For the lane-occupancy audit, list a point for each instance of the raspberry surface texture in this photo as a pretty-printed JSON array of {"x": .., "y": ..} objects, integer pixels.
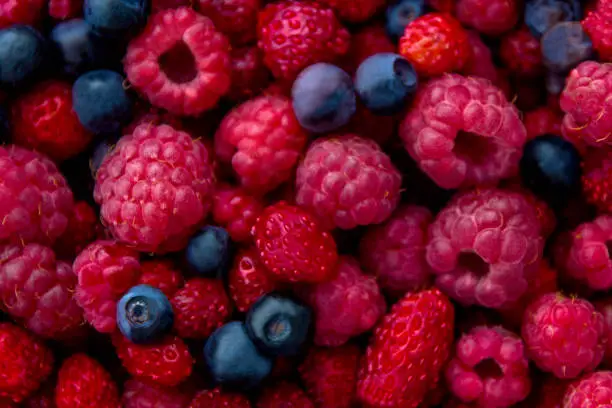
[
  {"x": 140, "y": 394},
  {"x": 161, "y": 274},
  {"x": 596, "y": 181},
  {"x": 521, "y": 53},
  {"x": 480, "y": 63},
  {"x": 598, "y": 25},
  {"x": 592, "y": 390},
  {"x": 236, "y": 210},
  {"x": 237, "y": 19},
  {"x": 217, "y": 398},
  {"x": 249, "y": 279},
  {"x": 284, "y": 395}
]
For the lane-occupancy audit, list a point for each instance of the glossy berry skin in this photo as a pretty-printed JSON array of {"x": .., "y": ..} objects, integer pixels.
[
  {"x": 592, "y": 390},
  {"x": 26, "y": 12},
  {"x": 237, "y": 19},
  {"x": 598, "y": 25},
  {"x": 520, "y": 52},
  {"x": 161, "y": 274},
  {"x": 490, "y": 17},
  {"x": 145, "y": 394},
  {"x": 75, "y": 45},
  {"x": 355, "y": 11},
  {"x": 22, "y": 54},
  {"x": 115, "y": 17},
  {"x": 233, "y": 359},
  {"x": 401, "y": 13},
  {"x": 217, "y": 398},
  {"x": 541, "y": 15},
  {"x": 284, "y": 394},
  {"x": 144, "y": 314},
  {"x": 293, "y": 246},
  {"x": 208, "y": 252},
  {"x": 236, "y": 210},
  {"x": 385, "y": 82},
  {"x": 249, "y": 279},
  {"x": 565, "y": 46}
]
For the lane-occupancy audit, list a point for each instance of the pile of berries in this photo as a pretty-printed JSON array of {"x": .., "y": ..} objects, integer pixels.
[{"x": 305, "y": 203}]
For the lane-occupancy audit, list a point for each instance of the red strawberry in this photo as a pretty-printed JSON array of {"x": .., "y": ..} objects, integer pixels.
[
  {"x": 161, "y": 274},
  {"x": 284, "y": 395},
  {"x": 248, "y": 279},
  {"x": 219, "y": 399}
]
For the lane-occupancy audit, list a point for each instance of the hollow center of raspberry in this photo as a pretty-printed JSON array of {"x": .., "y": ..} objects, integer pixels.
[
  {"x": 473, "y": 148},
  {"x": 178, "y": 63},
  {"x": 473, "y": 263},
  {"x": 488, "y": 368}
]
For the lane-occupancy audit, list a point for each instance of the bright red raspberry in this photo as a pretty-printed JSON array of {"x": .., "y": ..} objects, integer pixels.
[
  {"x": 236, "y": 210},
  {"x": 480, "y": 63},
  {"x": 395, "y": 251},
  {"x": 155, "y": 188},
  {"x": 35, "y": 199},
  {"x": 463, "y": 132},
  {"x": 541, "y": 121},
  {"x": 330, "y": 375},
  {"x": 262, "y": 140},
  {"x": 140, "y": 394},
  {"x": 237, "y": 19},
  {"x": 284, "y": 395},
  {"x": 408, "y": 351},
  {"x": 597, "y": 180},
  {"x": 520, "y": 52},
  {"x": 167, "y": 362},
  {"x": 161, "y": 274},
  {"x": 296, "y": 34},
  {"x": 593, "y": 390},
  {"x": 355, "y": 11},
  {"x": 180, "y": 62},
  {"x": 435, "y": 44},
  {"x": 65, "y": 9},
  {"x": 345, "y": 307},
  {"x": 248, "y": 279},
  {"x": 105, "y": 271},
  {"x": 347, "y": 181},
  {"x": 158, "y": 5},
  {"x": 200, "y": 307},
  {"x": 564, "y": 336},
  {"x": 490, "y": 368},
  {"x": 83, "y": 382},
  {"x": 490, "y": 17},
  {"x": 293, "y": 246},
  {"x": 604, "y": 307},
  {"x": 369, "y": 40},
  {"x": 26, "y": 362},
  {"x": 587, "y": 105},
  {"x": 83, "y": 228},
  {"x": 27, "y": 12},
  {"x": 219, "y": 399},
  {"x": 249, "y": 74},
  {"x": 598, "y": 25}
]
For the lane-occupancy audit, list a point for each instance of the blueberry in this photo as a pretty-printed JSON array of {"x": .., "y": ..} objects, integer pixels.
[
  {"x": 115, "y": 17},
  {"x": 279, "y": 326},
  {"x": 550, "y": 167},
  {"x": 400, "y": 14},
  {"x": 22, "y": 54},
  {"x": 208, "y": 251},
  {"x": 565, "y": 46},
  {"x": 323, "y": 98},
  {"x": 385, "y": 82},
  {"x": 101, "y": 102},
  {"x": 541, "y": 15},
  {"x": 233, "y": 359},
  {"x": 144, "y": 314}
]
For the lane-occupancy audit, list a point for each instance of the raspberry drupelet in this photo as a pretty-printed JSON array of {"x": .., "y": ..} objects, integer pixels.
[
  {"x": 236, "y": 210},
  {"x": 593, "y": 390},
  {"x": 598, "y": 25},
  {"x": 216, "y": 398},
  {"x": 490, "y": 17},
  {"x": 161, "y": 274},
  {"x": 237, "y": 19},
  {"x": 142, "y": 394},
  {"x": 597, "y": 180}
]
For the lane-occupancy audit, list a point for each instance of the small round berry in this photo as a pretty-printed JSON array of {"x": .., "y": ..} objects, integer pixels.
[
  {"x": 593, "y": 390},
  {"x": 208, "y": 252},
  {"x": 401, "y": 13},
  {"x": 236, "y": 210},
  {"x": 115, "y": 17},
  {"x": 144, "y": 314},
  {"x": 541, "y": 15},
  {"x": 490, "y": 17},
  {"x": 22, "y": 54},
  {"x": 565, "y": 46},
  {"x": 604, "y": 307}
]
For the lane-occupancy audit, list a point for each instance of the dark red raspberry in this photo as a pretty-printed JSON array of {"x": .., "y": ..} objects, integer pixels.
[
  {"x": 435, "y": 44},
  {"x": 262, "y": 140},
  {"x": 217, "y": 398},
  {"x": 597, "y": 180},
  {"x": 598, "y": 25},
  {"x": 83, "y": 382},
  {"x": 604, "y": 307},
  {"x": 161, "y": 274},
  {"x": 295, "y": 34},
  {"x": 487, "y": 364},
  {"x": 480, "y": 63},
  {"x": 463, "y": 132},
  {"x": 83, "y": 228},
  {"x": 369, "y": 40},
  {"x": 249, "y": 279},
  {"x": 491, "y": 17},
  {"x": 236, "y": 210},
  {"x": 237, "y": 19},
  {"x": 249, "y": 74},
  {"x": 43, "y": 398},
  {"x": 347, "y": 181},
  {"x": 355, "y": 11},
  {"x": 26, "y": 12},
  {"x": 65, "y": 9},
  {"x": 155, "y": 188},
  {"x": 284, "y": 395},
  {"x": 593, "y": 390},
  {"x": 520, "y": 52},
  {"x": 542, "y": 121},
  {"x": 293, "y": 246},
  {"x": 140, "y": 394},
  {"x": 446, "y": 6},
  {"x": 180, "y": 62}
]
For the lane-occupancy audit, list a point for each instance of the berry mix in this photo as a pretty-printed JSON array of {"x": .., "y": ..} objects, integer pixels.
[{"x": 305, "y": 203}]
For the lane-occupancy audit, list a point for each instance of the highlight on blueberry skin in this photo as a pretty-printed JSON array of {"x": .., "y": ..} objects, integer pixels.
[
  {"x": 323, "y": 98},
  {"x": 22, "y": 54},
  {"x": 565, "y": 46},
  {"x": 385, "y": 83},
  {"x": 208, "y": 252},
  {"x": 144, "y": 314},
  {"x": 115, "y": 17},
  {"x": 542, "y": 15},
  {"x": 400, "y": 14}
]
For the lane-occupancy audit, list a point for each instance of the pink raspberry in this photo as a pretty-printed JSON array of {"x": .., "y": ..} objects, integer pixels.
[
  {"x": 235, "y": 18},
  {"x": 463, "y": 132},
  {"x": 105, "y": 271},
  {"x": 155, "y": 188},
  {"x": 65, "y": 9},
  {"x": 520, "y": 52},
  {"x": 345, "y": 307},
  {"x": 593, "y": 390},
  {"x": 484, "y": 246},
  {"x": 564, "y": 336},
  {"x": 541, "y": 121},
  {"x": 35, "y": 200},
  {"x": 236, "y": 210},
  {"x": 395, "y": 251},
  {"x": 263, "y": 141},
  {"x": 249, "y": 74},
  {"x": 480, "y": 63},
  {"x": 369, "y": 40},
  {"x": 604, "y": 307},
  {"x": 587, "y": 105},
  {"x": 489, "y": 368},
  {"x": 347, "y": 181},
  {"x": 598, "y": 25},
  {"x": 180, "y": 62},
  {"x": 491, "y": 17},
  {"x": 161, "y": 274},
  {"x": 138, "y": 393}
]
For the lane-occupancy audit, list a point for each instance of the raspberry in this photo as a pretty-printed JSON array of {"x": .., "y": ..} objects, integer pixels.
[
  {"x": 463, "y": 132},
  {"x": 520, "y": 52},
  {"x": 294, "y": 35},
  {"x": 248, "y": 280},
  {"x": 490, "y": 368},
  {"x": 26, "y": 362},
  {"x": 43, "y": 398},
  {"x": 219, "y": 399},
  {"x": 587, "y": 107},
  {"x": 83, "y": 382},
  {"x": 167, "y": 362},
  {"x": 236, "y": 210},
  {"x": 105, "y": 271},
  {"x": 355, "y": 11},
  {"x": 593, "y": 390},
  {"x": 161, "y": 274},
  {"x": 155, "y": 188},
  {"x": 284, "y": 395},
  {"x": 490, "y": 17},
  {"x": 407, "y": 352},
  {"x": 140, "y": 394},
  {"x": 545, "y": 214},
  {"x": 395, "y": 251},
  {"x": 480, "y": 63},
  {"x": 262, "y": 140},
  {"x": 35, "y": 200},
  {"x": 347, "y": 181},
  {"x": 237, "y": 19},
  {"x": 435, "y": 44},
  {"x": 83, "y": 228},
  {"x": 564, "y": 336},
  {"x": 200, "y": 307},
  {"x": 542, "y": 121},
  {"x": 26, "y": 12},
  {"x": 249, "y": 74},
  {"x": 604, "y": 307},
  {"x": 180, "y": 62},
  {"x": 330, "y": 375},
  {"x": 598, "y": 25},
  {"x": 293, "y": 246},
  {"x": 369, "y": 40},
  {"x": 597, "y": 180},
  {"x": 345, "y": 307},
  {"x": 65, "y": 9}
]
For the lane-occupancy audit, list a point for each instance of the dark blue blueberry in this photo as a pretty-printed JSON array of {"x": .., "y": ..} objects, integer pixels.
[
  {"x": 565, "y": 46},
  {"x": 208, "y": 252},
  {"x": 22, "y": 54},
  {"x": 144, "y": 314},
  {"x": 323, "y": 98},
  {"x": 101, "y": 101},
  {"x": 385, "y": 82},
  {"x": 541, "y": 15},
  {"x": 550, "y": 167},
  {"x": 233, "y": 359},
  {"x": 115, "y": 17},
  {"x": 400, "y": 14},
  {"x": 278, "y": 325},
  {"x": 4, "y": 126}
]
